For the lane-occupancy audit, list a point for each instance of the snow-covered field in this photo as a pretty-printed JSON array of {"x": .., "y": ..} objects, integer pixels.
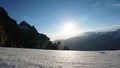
[{"x": 35, "y": 58}]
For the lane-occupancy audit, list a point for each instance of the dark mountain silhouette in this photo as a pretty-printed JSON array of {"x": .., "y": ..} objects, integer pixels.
[
  {"x": 21, "y": 35},
  {"x": 95, "y": 41},
  {"x": 9, "y": 30}
]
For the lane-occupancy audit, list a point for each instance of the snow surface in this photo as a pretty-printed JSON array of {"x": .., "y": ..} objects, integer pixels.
[{"x": 36, "y": 58}]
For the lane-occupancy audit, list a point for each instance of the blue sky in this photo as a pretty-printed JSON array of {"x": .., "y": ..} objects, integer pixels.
[{"x": 46, "y": 15}]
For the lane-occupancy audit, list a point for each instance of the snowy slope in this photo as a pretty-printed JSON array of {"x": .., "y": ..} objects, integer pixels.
[{"x": 33, "y": 58}]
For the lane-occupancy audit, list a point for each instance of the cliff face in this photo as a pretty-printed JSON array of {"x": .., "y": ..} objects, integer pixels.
[
  {"x": 9, "y": 30},
  {"x": 21, "y": 35}
]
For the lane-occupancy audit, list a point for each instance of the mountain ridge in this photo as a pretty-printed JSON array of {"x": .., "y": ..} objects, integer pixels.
[
  {"x": 21, "y": 35},
  {"x": 109, "y": 40}
]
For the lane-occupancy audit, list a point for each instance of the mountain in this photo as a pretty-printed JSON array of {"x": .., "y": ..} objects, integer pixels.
[
  {"x": 21, "y": 35},
  {"x": 95, "y": 41},
  {"x": 9, "y": 30}
]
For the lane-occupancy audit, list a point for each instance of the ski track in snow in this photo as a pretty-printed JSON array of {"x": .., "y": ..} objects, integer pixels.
[{"x": 36, "y": 58}]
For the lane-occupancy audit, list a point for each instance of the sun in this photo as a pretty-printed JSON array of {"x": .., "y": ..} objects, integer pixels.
[{"x": 69, "y": 28}]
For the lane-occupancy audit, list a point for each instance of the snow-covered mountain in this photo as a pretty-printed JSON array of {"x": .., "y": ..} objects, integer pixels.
[{"x": 95, "y": 41}]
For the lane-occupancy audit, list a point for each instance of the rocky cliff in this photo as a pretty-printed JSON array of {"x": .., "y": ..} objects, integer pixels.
[{"x": 21, "y": 35}]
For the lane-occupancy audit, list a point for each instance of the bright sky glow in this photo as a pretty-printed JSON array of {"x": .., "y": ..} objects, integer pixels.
[
  {"x": 69, "y": 27},
  {"x": 47, "y": 15}
]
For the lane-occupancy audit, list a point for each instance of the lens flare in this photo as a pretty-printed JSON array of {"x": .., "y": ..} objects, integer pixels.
[{"x": 69, "y": 27}]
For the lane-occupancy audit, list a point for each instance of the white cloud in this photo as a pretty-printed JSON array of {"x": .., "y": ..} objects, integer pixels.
[
  {"x": 54, "y": 37},
  {"x": 116, "y": 5},
  {"x": 25, "y": 17},
  {"x": 104, "y": 29}
]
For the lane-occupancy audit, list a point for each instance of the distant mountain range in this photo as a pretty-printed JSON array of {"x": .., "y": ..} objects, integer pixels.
[
  {"x": 24, "y": 35},
  {"x": 109, "y": 40},
  {"x": 21, "y": 35}
]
